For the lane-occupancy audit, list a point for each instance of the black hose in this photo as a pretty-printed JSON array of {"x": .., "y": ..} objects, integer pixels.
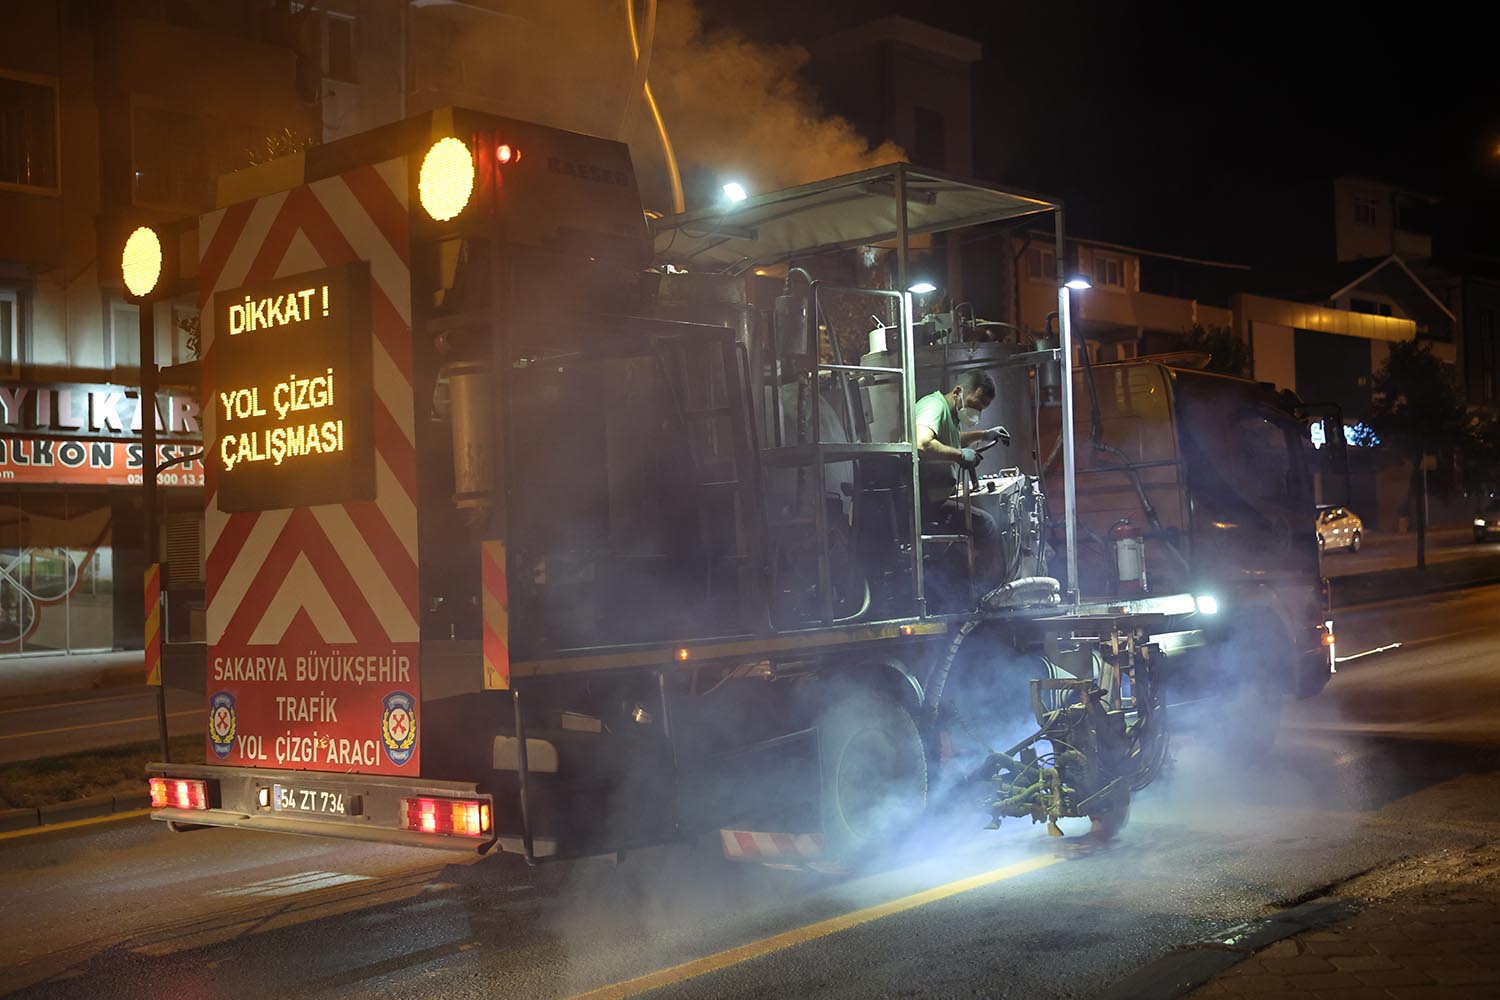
[{"x": 991, "y": 601}]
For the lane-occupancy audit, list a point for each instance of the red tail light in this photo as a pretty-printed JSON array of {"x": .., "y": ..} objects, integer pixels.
[
  {"x": 459, "y": 817},
  {"x": 178, "y": 793}
]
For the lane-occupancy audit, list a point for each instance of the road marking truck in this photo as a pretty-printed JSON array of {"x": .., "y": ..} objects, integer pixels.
[{"x": 538, "y": 524}]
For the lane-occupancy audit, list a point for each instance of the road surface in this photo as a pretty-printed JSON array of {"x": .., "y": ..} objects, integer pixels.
[
  {"x": 45, "y": 724},
  {"x": 1398, "y": 758}
]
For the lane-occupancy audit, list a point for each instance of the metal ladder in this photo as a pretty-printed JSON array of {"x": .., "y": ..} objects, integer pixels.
[
  {"x": 716, "y": 417},
  {"x": 814, "y": 455}
]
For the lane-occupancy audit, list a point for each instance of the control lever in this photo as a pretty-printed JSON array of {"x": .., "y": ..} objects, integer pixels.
[{"x": 973, "y": 471}]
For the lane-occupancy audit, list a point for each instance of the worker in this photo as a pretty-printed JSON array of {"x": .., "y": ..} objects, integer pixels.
[{"x": 947, "y": 436}]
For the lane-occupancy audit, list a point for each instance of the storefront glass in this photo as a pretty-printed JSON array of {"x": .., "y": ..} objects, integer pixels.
[{"x": 56, "y": 571}]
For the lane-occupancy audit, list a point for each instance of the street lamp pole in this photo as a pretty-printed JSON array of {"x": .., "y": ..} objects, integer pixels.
[
  {"x": 1070, "y": 492},
  {"x": 141, "y": 267}
]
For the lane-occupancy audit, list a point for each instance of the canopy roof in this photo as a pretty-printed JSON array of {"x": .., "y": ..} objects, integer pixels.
[{"x": 848, "y": 211}]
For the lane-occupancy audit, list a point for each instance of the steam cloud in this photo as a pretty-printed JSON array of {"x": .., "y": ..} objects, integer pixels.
[{"x": 733, "y": 108}]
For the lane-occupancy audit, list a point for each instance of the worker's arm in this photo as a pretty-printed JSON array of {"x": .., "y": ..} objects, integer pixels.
[
  {"x": 930, "y": 449},
  {"x": 995, "y": 433}
]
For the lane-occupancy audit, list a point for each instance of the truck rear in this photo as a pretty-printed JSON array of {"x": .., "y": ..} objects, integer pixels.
[{"x": 321, "y": 491}]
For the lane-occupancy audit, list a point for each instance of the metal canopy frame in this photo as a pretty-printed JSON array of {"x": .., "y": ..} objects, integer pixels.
[
  {"x": 838, "y": 213},
  {"x": 885, "y": 205}
]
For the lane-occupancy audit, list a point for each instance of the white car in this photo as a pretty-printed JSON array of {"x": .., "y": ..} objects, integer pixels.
[
  {"x": 1339, "y": 528},
  {"x": 1487, "y": 521}
]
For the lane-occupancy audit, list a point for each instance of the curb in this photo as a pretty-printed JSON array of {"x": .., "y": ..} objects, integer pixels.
[
  {"x": 1189, "y": 967},
  {"x": 106, "y": 678},
  {"x": 120, "y": 677},
  {"x": 1365, "y": 588},
  {"x": 94, "y": 806}
]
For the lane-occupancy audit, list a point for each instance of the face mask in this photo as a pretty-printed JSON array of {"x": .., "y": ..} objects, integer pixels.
[{"x": 968, "y": 417}]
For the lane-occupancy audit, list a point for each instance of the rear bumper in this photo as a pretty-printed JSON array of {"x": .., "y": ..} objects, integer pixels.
[{"x": 236, "y": 796}]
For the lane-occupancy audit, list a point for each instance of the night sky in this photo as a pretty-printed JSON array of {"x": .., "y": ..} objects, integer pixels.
[{"x": 1214, "y": 130}]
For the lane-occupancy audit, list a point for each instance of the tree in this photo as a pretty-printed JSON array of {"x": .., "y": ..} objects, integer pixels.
[
  {"x": 1226, "y": 352},
  {"x": 1482, "y": 453},
  {"x": 1416, "y": 406},
  {"x": 1417, "y": 411}
]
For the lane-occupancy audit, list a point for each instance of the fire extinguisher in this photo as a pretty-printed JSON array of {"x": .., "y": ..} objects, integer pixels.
[{"x": 1129, "y": 544}]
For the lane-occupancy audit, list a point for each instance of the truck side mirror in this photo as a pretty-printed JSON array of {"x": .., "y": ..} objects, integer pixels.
[{"x": 1327, "y": 453}]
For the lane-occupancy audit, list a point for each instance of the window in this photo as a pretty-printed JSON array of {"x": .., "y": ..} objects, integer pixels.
[
  {"x": 183, "y": 345},
  {"x": 1366, "y": 211},
  {"x": 56, "y": 572},
  {"x": 124, "y": 335},
  {"x": 10, "y": 329},
  {"x": 1109, "y": 271},
  {"x": 28, "y": 133},
  {"x": 1370, "y": 307},
  {"x": 338, "y": 48},
  {"x": 1041, "y": 265},
  {"x": 170, "y": 157}
]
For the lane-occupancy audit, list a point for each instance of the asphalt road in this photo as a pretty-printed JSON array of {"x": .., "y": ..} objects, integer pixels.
[
  {"x": 1400, "y": 756},
  {"x": 45, "y": 724}
]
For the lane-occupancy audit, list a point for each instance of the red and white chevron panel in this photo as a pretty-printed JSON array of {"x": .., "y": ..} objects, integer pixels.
[
  {"x": 754, "y": 845},
  {"x": 313, "y": 611}
]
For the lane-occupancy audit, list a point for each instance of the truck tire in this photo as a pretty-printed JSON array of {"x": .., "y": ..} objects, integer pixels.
[{"x": 874, "y": 774}]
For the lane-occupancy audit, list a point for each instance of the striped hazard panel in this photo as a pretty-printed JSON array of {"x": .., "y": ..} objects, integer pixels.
[
  {"x": 793, "y": 848},
  {"x": 313, "y": 610}
]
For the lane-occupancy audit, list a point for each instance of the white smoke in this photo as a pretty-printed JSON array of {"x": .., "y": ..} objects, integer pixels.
[{"x": 732, "y": 107}]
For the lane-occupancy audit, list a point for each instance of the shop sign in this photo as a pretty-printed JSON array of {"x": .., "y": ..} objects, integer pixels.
[
  {"x": 90, "y": 435},
  {"x": 99, "y": 412},
  {"x": 100, "y": 463}
]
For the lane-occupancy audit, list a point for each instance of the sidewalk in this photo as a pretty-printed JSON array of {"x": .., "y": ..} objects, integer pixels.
[
  {"x": 53, "y": 673},
  {"x": 1430, "y": 929}
]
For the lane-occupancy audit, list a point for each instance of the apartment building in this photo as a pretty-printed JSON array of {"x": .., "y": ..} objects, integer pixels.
[{"x": 114, "y": 115}]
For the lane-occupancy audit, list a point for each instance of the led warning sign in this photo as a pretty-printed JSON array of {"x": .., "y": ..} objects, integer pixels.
[{"x": 291, "y": 391}]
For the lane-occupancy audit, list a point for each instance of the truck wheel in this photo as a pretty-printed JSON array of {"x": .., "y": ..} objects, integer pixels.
[{"x": 874, "y": 774}]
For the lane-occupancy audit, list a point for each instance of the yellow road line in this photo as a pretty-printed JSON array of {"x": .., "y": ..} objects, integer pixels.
[
  {"x": 802, "y": 935},
  {"x": 74, "y": 823},
  {"x": 99, "y": 725}
]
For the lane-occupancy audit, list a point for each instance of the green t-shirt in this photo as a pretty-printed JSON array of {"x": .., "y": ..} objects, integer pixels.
[{"x": 938, "y": 478}]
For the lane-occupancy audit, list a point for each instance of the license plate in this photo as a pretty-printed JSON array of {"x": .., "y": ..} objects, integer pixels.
[{"x": 289, "y": 798}]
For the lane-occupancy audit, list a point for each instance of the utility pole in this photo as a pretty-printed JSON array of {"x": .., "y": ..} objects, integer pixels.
[
  {"x": 141, "y": 266},
  {"x": 148, "y": 503},
  {"x": 1428, "y": 462}
]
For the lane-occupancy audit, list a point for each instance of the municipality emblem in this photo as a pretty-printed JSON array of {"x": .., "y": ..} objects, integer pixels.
[
  {"x": 398, "y": 726},
  {"x": 222, "y": 724}
]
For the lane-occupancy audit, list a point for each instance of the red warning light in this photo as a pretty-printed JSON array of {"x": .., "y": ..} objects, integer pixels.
[{"x": 505, "y": 153}]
